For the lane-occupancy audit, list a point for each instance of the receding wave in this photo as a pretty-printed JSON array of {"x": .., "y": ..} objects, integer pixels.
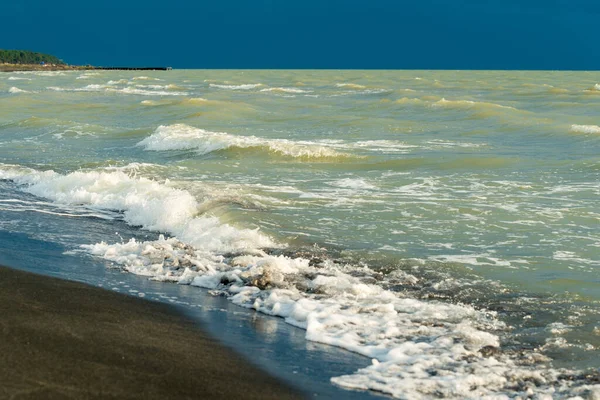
[{"x": 185, "y": 137}]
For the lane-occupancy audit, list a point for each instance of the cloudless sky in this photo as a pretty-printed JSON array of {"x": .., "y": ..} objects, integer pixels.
[{"x": 387, "y": 34}]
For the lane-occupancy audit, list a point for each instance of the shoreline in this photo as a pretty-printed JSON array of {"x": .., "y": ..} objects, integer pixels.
[
  {"x": 37, "y": 67},
  {"x": 63, "y": 338},
  {"x": 47, "y": 67}
]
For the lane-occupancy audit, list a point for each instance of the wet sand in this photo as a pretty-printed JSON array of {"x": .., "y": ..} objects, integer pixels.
[{"x": 62, "y": 339}]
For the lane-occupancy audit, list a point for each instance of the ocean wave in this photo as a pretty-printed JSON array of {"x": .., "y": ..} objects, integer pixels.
[
  {"x": 16, "y": 78},
  {"x": 246, "y": 86},
  {"x": 411, "y": 101},
  {"x": 419, "y": 348},
  {"x": 118, "y": 82},
  {"x": 285, "y": 90},
  {"x": 15, "y": 90},
  {"x": 41, "y": 73},
  {"x": 384, "y": 146},
  {"x": 364, "y": 91},
  {"x": 111, "y": 89},
  {"x": 155, "y": 103},
  {"x": 462, "y": 104},
  {"x": 184, "y": 137},
  {"x": 142, "y": 201},
  {"x": 589, "y": 129},
  {"x": 595, "y": 88},
  {"x": 88, "y": 75},
  {"x": 145, "y": 78},
  {"x": 88, "y": 88},
  {"x": 142, "y": 92},
  {"x": 163, "y": 87},
  {"x": 350, "y": 85}
]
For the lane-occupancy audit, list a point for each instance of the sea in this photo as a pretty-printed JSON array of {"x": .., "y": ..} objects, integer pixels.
[{"x": 436, "y": 234}]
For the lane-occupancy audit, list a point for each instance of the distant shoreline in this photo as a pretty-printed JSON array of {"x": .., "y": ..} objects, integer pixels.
[
  {"x": 39, "y": 67},
  {"x": 58, "y": 67}
]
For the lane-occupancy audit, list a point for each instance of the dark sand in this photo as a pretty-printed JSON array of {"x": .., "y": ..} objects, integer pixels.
[{"x": 66, "y": 340}]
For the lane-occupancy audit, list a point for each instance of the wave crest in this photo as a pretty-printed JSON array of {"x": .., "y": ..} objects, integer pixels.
[
  {"x": 185, "y": 137},
  {"x": 589, "y": 129},
  {"x": 246, "y": 86}
]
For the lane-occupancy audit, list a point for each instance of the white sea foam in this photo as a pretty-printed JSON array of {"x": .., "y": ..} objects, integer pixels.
[
  {"x": 143, "y": 202},
  {"x": 420, "y": 349},
  {"x": 109, "y": 88},
  {"x": 246, "y": 86},
  {"x": 468, "y": 104},
  {"x": 48, "y": 73},
  {"x": 353, "y": 184},
  {"x": 184, "y": 137},
  {"x": 472, "y": 259},
  {"x": 118, "y": 82},
  {"x": 16, "y": 78},
  {"x": 387, "y": 146},
  {"x": 88, "y": 75},
  {"x": 350, "y": 85},
  {"x": 285, "y": 90},
  {"x": 571, "y": 256},
  {"x": 142, "y": 92},
  {"x": 15, "y": 90},
  {"x": 589, "y": 129},
  {"x": 437, "y": 143},
  {"x": 145, "y": 78}
]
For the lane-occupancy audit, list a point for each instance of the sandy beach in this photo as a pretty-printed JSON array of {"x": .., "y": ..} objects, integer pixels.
[{"x": 62, "y": 339}]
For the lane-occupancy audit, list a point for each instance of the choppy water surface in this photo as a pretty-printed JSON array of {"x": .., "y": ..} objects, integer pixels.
[{"x": 443, "y": 223}]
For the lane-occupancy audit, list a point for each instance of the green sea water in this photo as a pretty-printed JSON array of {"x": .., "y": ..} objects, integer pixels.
[{"x": 482, "y": 185}]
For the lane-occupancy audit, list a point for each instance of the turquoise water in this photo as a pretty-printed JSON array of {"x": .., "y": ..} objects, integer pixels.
[{"x": 337, "y": 199}]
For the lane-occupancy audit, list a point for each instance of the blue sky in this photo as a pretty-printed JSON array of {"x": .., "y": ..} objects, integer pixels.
[{"x": 388, "y": 34}]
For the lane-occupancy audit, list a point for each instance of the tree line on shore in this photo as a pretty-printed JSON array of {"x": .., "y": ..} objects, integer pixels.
[{"x": 27, "y": 57}]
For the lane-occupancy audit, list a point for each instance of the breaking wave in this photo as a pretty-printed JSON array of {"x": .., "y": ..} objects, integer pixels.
[
  {"x": 285, "y": 90},
  {"x": 246, "y": 86},
  {"x": 109, "y": 88},
  {"x": 419, "y": 348},
  {"x": 15, "y": 90},
  {"x": 184, "y": 137},
  {"x": 350, "y": 85}
]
